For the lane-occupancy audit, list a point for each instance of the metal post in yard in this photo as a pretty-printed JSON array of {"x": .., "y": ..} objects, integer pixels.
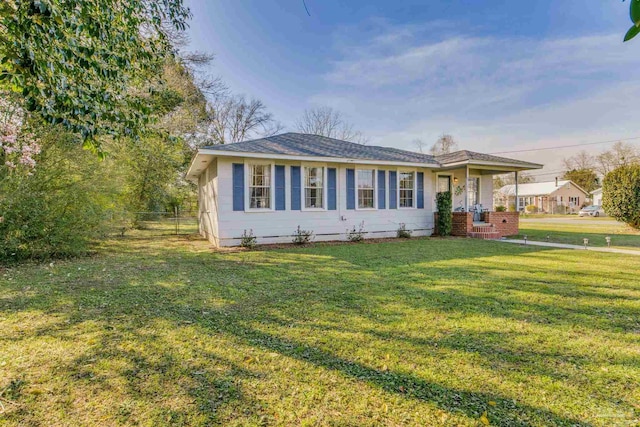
[{"x": 175, "y": 212}]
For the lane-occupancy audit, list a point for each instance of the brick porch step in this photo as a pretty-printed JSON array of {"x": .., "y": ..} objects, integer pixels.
[
  {"x": 485, "y": 235},
  {"x": 485, "y": 228}
]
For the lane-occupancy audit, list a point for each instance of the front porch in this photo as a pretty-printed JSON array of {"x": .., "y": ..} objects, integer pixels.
[{"x": 492, "y": 225}]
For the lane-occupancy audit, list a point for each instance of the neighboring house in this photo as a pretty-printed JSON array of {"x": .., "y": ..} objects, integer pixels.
[
  {"x": 549, "y": 197},
  {"x": 596, "y": 197},
  {"x": 275, "y": 184}
]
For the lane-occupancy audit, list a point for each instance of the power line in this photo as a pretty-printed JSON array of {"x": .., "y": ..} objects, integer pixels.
[{"x": 567, "y": 146}]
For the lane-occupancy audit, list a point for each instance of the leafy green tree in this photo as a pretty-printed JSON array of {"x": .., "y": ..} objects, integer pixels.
[
  {"x": 76, "y": 63},
  {"x": 634, "y": 12},
  {"x": 58, "y": 208},
  {"x": 584, "y": 178},
  {"x": 621, "y": 194}
]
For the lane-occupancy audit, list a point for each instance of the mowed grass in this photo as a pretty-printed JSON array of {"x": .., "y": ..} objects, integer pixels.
[
  {"x": 160, "y": 330},
  {"x": 573, "y": 230}
]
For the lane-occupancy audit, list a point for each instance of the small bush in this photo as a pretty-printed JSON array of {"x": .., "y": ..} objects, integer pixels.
[
  {"x": 501, "y": 209},
  {"x": 302, "y": 237},
  {"x": 621, "y": 194},
  {"x": 531, "y": 209},
  {"x": 402, "y": 232},
  {"x": 445, "y": 219},
  {"x": 356, "y": 235},
  {"x": 248, "y": 240},
  {"x": 561, "y": 209}
]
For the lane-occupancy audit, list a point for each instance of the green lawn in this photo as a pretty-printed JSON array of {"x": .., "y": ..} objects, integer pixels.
[
  {"x": 159, "y": 330},
  {"x": 573, "y": 230}
]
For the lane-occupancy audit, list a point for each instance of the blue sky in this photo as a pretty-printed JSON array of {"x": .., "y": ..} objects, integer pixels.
[{"x": 498, "y": 75}]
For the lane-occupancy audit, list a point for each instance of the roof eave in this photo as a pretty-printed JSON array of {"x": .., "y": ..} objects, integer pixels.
[
  {"x": 515, "y": 166},
  {"x": 253, "y": 155}
]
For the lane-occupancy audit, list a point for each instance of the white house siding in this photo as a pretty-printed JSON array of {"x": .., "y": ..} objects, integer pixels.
[
  {"x": 207, "y": 203},
  {"x": 278, "y": 226}
]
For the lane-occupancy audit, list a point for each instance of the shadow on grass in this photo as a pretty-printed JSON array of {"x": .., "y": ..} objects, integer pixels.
[{"x": 275, "y": 288}]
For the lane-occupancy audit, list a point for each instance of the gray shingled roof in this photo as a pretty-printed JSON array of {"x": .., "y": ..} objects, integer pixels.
[
  {"x": 300, "y": 144},
  {"x": 465, "y": 155}
]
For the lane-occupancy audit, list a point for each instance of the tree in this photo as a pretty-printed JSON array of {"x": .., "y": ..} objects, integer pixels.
[
  {"x": 581, "y": 170},
  {"x": 444, "y": 145},
  {"x": 419, "y": 144},
  {"x": 634, "y": 12},
  {"x": 621, "y": 154},
  {"x": 76, "y": 64},
  {"x": 586, "y": 179},
  {"x": 580, "y": 161},
  {"x": 233, "y": 119},
  {"x": 326, "y": 121},
  {"x": 621, "y": 194}
]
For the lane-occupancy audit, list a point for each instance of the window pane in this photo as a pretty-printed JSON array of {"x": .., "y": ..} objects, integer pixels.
[
  {"x": 473, "y": 191},
  {"x": 366, "y": 188},
  {"x": 260, "y": 187},
  {"x": 406, "y": 189},
  {"x": 313, "y": 187}
]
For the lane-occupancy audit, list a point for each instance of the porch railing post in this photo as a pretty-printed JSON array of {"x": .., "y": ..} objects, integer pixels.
[{"x": 517, "y": 198}]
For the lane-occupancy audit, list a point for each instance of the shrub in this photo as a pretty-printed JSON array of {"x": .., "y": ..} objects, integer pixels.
[
  {"x": 621, "y": 194},
  {"x": 57, "y": 210},
  {"x": 531, "y": 209},
  {"x": 356, "y": 235},
  {"x": 445, "y": 219},
  {"x": 248, "y": 240},
  {"x": 301, "y": 237},
  {"x": 501, "y": 208},
  {"x": 403, "y": 233}
]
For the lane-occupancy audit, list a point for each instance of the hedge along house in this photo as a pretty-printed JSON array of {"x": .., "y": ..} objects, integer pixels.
[{"x": 275, "y": 184}]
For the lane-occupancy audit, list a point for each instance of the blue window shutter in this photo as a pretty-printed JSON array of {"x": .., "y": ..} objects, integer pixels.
[
  {"x": 238, "y": 186},
  {"x": 296, "y": 188},
  {"x": 393, "y": 190},
  {"x": 382, "y": 186},
  {"x": 331, "y": 189},
  {"x": 280, "y": 191},
  {"x": 351, "y": 189},
  {"x": 420, "y": 190}
]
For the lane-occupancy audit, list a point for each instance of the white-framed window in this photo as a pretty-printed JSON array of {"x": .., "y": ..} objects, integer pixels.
[
  {"x": 406, "y": 189},
  {"x": 366, "y": 188},
  {"x": 473, "y": 191},
  {"x": 260, "y": 186},
  {"x": 574, "y": 201},
  {"x": 314, "y": 187}
]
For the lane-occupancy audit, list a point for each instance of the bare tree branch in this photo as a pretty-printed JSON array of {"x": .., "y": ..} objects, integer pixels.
[
  {"x": 328, "y": 122},
  {"x": 444, "y": 145},
  {"x": 234, "y": 119}
]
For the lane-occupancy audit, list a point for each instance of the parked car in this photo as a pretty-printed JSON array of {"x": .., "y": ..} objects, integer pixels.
[{"x": 593, "y": 210}]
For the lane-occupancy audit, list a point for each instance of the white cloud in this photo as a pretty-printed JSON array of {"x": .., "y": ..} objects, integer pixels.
[{"x": 491, "y": 93}]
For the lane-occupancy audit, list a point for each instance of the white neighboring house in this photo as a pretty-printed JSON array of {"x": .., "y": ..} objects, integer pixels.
[
  {"x": 596, "y": 197},
  {"x": 273, "y": 185},
  {"x": 549, "y": 197}
]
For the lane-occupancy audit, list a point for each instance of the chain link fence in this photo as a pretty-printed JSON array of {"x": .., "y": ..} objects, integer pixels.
[{"x": 176, "y": 222}]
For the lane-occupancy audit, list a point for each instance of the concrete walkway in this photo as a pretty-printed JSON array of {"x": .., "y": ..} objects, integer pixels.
[{"x": 565, "y": 246}]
